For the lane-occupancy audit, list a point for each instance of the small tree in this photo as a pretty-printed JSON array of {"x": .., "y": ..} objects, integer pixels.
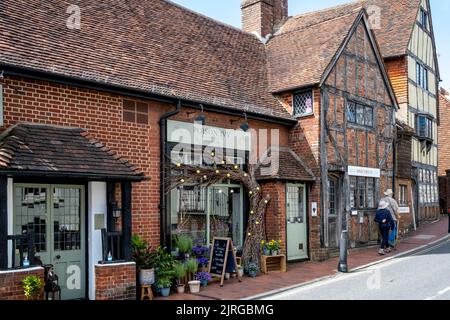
[{"x": 207, "y": 176}]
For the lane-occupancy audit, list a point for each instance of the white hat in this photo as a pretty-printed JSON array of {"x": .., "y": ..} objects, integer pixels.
[
  {"x": 389, "y": 192},
  {"x": 383, "y": 204}
]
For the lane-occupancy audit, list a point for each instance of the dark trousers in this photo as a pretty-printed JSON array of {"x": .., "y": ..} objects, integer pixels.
[{"x": 384, "y": 238}]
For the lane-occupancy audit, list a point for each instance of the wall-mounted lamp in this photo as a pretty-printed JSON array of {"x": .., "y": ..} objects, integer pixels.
[
  {"x": 116, "y": 211},
  {"x": 245, "y": 126}
]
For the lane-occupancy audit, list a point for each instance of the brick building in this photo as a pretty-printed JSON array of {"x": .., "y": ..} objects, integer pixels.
[
  {"x": 89, "y": 112},
  {"x": 444, "y": 149}
]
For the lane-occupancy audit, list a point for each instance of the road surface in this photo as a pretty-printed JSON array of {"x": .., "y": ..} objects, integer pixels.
[{"x": 425, "y": 275}]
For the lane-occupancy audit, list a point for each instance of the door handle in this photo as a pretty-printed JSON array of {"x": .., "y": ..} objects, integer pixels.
[{"x": 58, "y": 257}]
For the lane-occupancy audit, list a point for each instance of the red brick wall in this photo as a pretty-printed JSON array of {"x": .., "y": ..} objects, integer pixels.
[
  {"x": 398, "y": 74},
  {"x": 101, "y": 114},
  {"x": 276, "y": 212},
  {"x": 444, "y": 133},
  {"x": 115, "y": 282},
  {"x": 11, "y": 287}
]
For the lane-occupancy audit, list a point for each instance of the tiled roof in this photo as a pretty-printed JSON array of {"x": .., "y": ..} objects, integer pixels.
[
  {"x": 302, "y": 49},
  {"x": 60, "y": 151},
  {"x": 290, "y": 166},
  {"x": 298, "y": 56},
  {"x": 149, "y": 45}
]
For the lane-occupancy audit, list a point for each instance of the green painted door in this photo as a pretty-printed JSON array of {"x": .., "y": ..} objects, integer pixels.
[
  {"x": 296, "y": 222},
  {"x": 56, "y": 214}
]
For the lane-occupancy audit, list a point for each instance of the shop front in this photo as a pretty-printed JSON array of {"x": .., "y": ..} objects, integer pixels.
[{"x": 60, "y": 205}]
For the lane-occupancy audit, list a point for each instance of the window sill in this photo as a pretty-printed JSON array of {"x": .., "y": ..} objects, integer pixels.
[{"x": 304, "y": 116}]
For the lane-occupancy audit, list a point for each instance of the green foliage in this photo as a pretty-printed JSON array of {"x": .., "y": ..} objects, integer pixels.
[
  {"x": 32, "y": 286},
  {"x": 184, "y": 243},
  {"x": 192, "y": 266},
  {"x": 179, "y": 270},
  {"x": 163, "y": 283},
  {"x": 252, "y": 267},
  {"x": 141, "y": 253}
]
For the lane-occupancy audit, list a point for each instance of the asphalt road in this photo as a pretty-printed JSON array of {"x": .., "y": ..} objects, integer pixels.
[{"x": 425, "y": 275}]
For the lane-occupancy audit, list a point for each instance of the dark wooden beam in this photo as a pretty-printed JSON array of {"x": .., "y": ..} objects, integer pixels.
[
  {"x": 126, "y": 219},
  {"x": 3, "y": 222},
  {"x": 110, "y": 199}
]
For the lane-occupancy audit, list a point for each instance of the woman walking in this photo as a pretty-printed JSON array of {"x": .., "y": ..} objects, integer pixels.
[{"x": 385, "y": 222}]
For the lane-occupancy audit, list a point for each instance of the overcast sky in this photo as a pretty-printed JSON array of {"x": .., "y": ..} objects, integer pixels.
[{"x": 228, "y": 11}]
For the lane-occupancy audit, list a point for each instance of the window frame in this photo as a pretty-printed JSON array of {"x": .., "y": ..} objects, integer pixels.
[
  {"x": 403, "y": 195},
  {"x": 424, "y": 131},
  {"x": 354, "y": 118},
  {"x": 298, "y": 115},
  {"x": 136, "y": 112},
  {"x": 356, "y": 182},
  {"x": 422, "y": 76},
  {"x": 424, "y": 19}
]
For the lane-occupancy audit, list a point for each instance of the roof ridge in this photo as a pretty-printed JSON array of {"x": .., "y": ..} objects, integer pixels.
[
  {"x": 343, "y": 5},
  {"x": 356, "y": 10}
]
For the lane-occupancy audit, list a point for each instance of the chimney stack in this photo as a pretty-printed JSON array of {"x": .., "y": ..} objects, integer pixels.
[{"x": 263, "y": 17}]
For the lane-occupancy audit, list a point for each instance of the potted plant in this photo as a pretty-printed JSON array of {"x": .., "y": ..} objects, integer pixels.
[
  {"x": 144, "y": 259},
  {"x": 240, "y": 271},
  {"x": 32, "y": 286},
  {"x": 203, "y": 277},
  {"x": 164, "y": 283},
  {"x": 252, "y": 269},
  {"x": 163, "y": 263},
  {"x": 274, "y": 247},
  {"x": 265, "y": 248},
  {"x": 191, "y": 269},
  {"x": 184, "y": 244},
  {"x": 179, "y": 271}
]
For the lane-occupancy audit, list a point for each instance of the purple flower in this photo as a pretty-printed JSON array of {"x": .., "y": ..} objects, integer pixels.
[
  {"x": 203, "y": 276},
  {"x": 202, "y": 261},
  {"x": 200, "y": 251}
]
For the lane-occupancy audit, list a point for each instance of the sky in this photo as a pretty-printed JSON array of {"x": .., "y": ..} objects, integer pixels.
[{"x": 229, "y": 11}]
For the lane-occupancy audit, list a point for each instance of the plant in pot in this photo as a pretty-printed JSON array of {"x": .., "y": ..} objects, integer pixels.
[
  {"x": 164, "y": 283},
  {"x": 252, "y": 269},
  {"x": 274, "y": 247},
  {"x": 184, "y": 245},
  {"x": 179, "y": 271},
  {"x": 203, "y": 277},
  {"x": 144, "y": 259},
  {"x": 265, "y": 248},
  {"x": 191, "y": 269},
  {"x": 163, "y": 263},
  {"x": 32, "y": 287}
]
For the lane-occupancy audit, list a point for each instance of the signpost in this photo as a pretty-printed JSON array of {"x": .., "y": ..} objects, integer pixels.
[{"x": 221, "y": 252}]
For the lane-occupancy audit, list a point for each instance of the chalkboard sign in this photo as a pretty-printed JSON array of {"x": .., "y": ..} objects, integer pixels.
[{"x": 223, "y": 258}]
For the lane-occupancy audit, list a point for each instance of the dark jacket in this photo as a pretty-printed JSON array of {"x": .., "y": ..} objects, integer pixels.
[{"x": 384, "y": 219}]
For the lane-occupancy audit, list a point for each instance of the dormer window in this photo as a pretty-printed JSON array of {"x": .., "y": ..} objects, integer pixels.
[
  {"x": 303, "y": 104},
  {"x": 423, "y": 19}
]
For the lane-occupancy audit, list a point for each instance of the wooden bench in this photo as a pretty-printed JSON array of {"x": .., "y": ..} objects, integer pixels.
[{"x": 273, "y": 263}]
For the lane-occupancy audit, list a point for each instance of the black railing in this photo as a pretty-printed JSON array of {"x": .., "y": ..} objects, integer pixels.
[
  {"x": 112, "y": 244},
  {"x": 23, "y": 243}
]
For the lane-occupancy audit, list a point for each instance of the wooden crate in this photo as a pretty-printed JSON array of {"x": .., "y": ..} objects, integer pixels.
[{"x": 273, "y": 263}]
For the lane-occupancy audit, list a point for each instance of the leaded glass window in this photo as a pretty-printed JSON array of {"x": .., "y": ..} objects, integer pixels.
[
  {"x": 303, "y": 103},
  {"x": 360, "y": 114}
]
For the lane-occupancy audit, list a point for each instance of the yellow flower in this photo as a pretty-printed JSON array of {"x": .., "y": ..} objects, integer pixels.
[
  {"x": 279, "y": 241},
  {"x": 263, "y": 242}
]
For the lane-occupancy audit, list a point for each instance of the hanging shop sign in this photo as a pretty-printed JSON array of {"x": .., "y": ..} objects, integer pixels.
[
  {"x": 364, "y": 172},
  {"x": 198, "y": 134}
]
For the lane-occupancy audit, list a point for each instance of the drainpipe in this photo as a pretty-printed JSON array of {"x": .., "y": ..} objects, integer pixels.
[{"x": 164, "y": 234}]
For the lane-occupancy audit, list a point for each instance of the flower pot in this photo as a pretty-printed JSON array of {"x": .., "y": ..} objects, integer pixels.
[
  {"x": 165, "y": 292},
  {"x": 274, "y": 252},
  {"x": 147, "y": 276},
  {"x": 204, "y": 283},
  {"x": 252, "y": 274},
  {"x": 194, "y": 286},
  {"x": 227, "y": 276},
  {"x": 266, "y": 252},
  {"x": 240, "y": 272},
  {"x": 181, "y": 288}
]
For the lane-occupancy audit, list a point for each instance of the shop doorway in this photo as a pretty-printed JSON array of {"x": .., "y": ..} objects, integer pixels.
[
  {"x": 56, "y": 215},
  {"x": 296, "y": 222}
]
